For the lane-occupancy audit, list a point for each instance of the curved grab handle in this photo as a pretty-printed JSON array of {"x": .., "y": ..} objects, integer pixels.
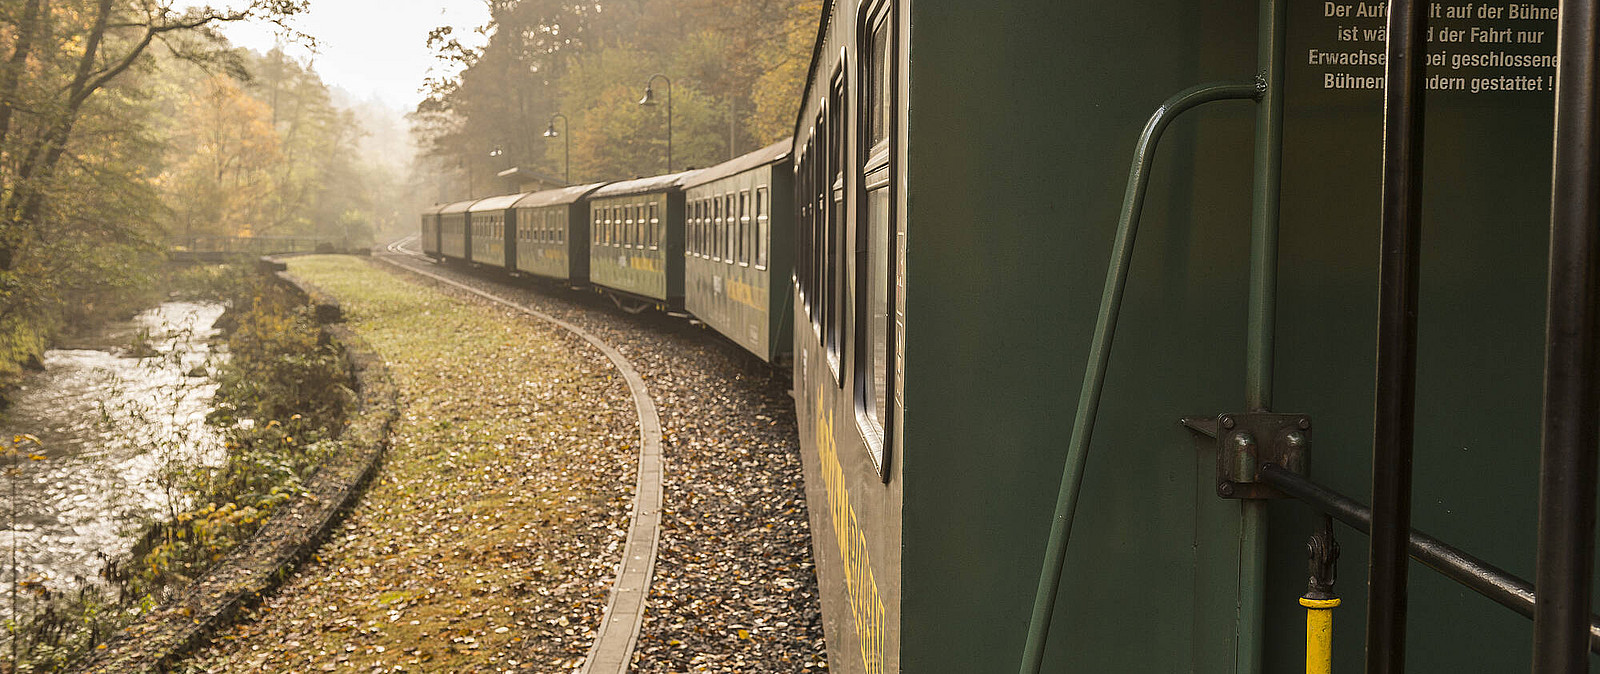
[{"x": 1100, "y": 350}]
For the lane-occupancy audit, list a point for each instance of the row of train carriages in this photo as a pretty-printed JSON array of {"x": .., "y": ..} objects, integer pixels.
[
  {"x": 713, "y": 242},
  {"x": 1003, "y": 483}
]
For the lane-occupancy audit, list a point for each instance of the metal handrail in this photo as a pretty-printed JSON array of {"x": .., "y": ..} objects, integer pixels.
[
  {"x": 1477, "y": 575},
  {"x": 1100, "y": 352}
]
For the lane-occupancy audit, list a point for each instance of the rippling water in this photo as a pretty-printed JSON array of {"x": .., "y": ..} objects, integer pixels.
[{"x": 108, "y": 417}]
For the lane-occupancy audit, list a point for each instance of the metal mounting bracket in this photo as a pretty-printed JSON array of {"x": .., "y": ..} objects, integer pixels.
[{"x": 1246, "y": 442}]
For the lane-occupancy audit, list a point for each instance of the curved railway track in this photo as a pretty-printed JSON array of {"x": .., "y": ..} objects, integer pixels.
[{"x": 618, "y": 632}]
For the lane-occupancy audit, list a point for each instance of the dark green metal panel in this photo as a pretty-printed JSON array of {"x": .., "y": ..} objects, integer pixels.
[
  {"x": 1481, "y": 337},
  {"x": 1021, "y": 127}
]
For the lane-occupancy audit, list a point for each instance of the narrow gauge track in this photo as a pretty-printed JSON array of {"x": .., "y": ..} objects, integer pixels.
[
  {"x": 618, "y": 632},
  {"x": 728, "y": 551}
]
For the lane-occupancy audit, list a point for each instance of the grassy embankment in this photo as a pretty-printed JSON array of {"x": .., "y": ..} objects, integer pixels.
[{"x": 488, "y": 539}]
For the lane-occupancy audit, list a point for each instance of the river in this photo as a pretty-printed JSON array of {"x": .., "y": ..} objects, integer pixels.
[{"x": 112, "y": 420}]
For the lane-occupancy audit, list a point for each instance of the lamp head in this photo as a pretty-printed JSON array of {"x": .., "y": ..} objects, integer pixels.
[
  {"x": 550, "y": 132},
  {"x": 649, "y": 96}
]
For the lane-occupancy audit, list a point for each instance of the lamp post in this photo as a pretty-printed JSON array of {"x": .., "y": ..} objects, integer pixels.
[
  {"x": 650, "y": 99},
  {"x": 566, "y": 152}
]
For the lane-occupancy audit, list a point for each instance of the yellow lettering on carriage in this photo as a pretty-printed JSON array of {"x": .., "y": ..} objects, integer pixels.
[
  {"x": 747, "y": 294},
  {"x": 866, "y": 604}
]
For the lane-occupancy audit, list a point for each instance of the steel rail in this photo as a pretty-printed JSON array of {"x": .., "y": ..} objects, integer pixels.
[
  {"x": 1100, "y": 353},
  {"x": 618, "y": 633},
  {"x": 1394, "y": 414},
  {"x": 1570, "y": 430},
  {"x": 1451, "y": 562}
]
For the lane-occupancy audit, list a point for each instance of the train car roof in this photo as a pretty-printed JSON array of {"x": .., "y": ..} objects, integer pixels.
[
  {"x": 434, "y": 209},
  {"x": 557, "y": 197},
  {"x": 458, "y": 207},
  {"x": 768, "y": 155},
  {"x": 669, "y": 182},
  {"x": 498, "y": 203}
]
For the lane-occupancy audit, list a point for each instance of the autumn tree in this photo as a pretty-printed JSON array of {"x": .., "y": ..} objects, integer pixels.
[
  {"x": 736, "y": 67},
  {"x": 74, "y": 149},
  {"x": 230, "y": 156}
]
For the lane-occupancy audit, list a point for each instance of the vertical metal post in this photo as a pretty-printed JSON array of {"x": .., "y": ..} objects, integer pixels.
[
  {"x": 1563, "y": 580},
  {"x": 1396, "y": 385},
  {"x": 1251, "y": 620}
]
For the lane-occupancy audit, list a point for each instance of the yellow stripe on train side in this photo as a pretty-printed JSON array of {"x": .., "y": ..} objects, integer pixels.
[{"x": 866, "y": 604}]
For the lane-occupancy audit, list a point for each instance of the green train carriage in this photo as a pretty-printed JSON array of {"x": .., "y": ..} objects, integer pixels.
[
  {"x": 962, "y": 173},
  {"x": 429, "y": 236},
  {"x": 494, "y": 223},
  {"x": 455, "y": 238},
  {"x": 551, "y": 238},
  {"x": 636, "y": 240},
  {"x": 735, "y": 279}
]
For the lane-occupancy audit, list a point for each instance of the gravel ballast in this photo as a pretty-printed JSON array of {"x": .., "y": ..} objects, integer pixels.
[{"x": 734, "y": 587}]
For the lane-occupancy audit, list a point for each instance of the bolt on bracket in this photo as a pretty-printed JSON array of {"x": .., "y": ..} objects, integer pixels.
[{"x": 1246, "y": 442}]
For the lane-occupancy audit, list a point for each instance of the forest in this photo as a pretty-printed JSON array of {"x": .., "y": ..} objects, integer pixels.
[
  {"x": 128, "y": 127},
  {"x": 735, "y": 68}
]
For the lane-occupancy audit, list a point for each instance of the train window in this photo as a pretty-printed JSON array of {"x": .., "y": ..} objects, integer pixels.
[
  {"x": 730, "y": 236},
  {"x": 879, "y": 244},
  {"x": 653, "y": 221},
  {"x": 716, "y": 229},
  {"x": 594, "y": 226},
  {"x": 878, "y": 84},
  {"x": 833, "y": 198},
  {"x": 743, "y": 238},
  {"x": 763, "y": 228},
  {"x": 636, "y": 230},
  {"x": 819, "y": 242}
]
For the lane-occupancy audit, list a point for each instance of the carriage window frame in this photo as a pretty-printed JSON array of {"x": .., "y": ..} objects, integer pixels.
[
  {"x": 653, "y": 226},
  {"x": 715, "y": 243},
  {"x": 700, "y": 229},
  {"x": 728, "y": 248},
  {"x": 835, "y": 203},
  {"x": 763, "y": 204},
  {"x": 878, "y": 352},
  {"x": 744, "y": 228}
]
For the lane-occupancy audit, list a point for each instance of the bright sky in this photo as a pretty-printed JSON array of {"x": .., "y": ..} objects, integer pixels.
[{"x": 374, "y": 48}]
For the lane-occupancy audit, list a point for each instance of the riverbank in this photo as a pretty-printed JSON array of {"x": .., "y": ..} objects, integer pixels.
[{"x": 490, "y": 536}]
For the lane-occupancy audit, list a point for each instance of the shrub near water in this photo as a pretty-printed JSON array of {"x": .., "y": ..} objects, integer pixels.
[{"x": 280, "y": 404}]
